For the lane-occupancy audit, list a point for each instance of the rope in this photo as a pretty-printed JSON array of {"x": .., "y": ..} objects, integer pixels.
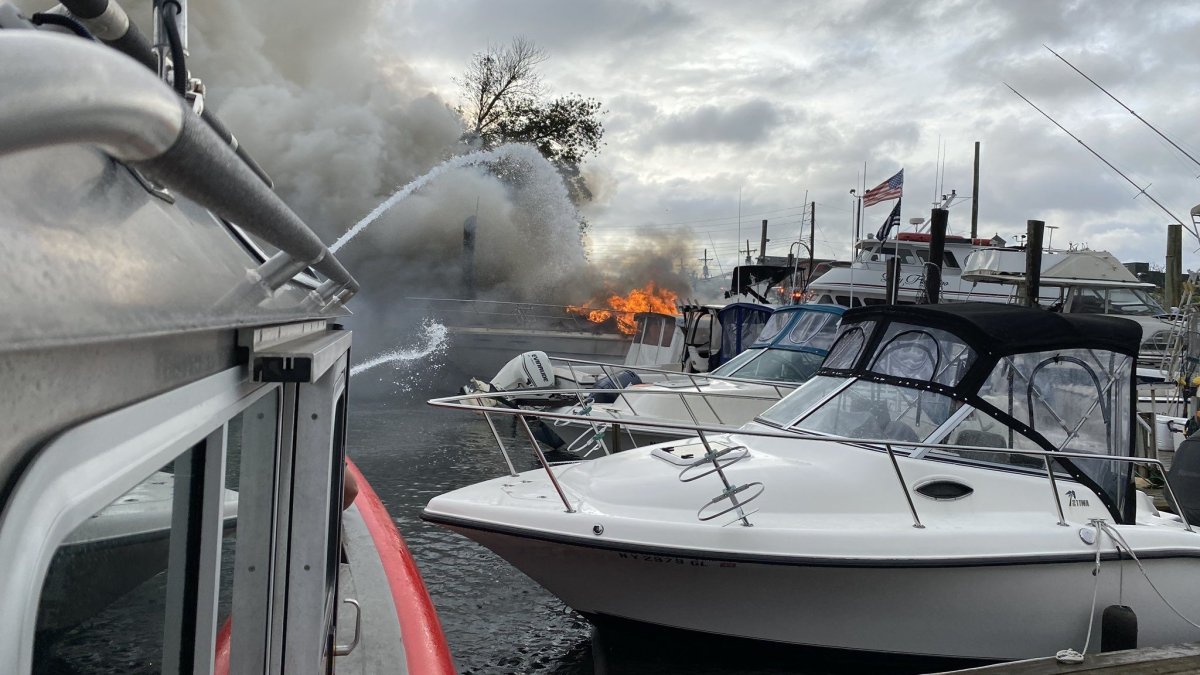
[
  {"x": 1102, "y": 526},
  {"x": 1120, "y": 540},
  {"x": 1070, "y": 655}
]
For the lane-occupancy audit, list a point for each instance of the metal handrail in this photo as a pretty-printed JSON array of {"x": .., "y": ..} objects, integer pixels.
[
  {"x": 66, "y": 90},
  {"x": 462, "y": 402},
  {"x": 777, "y": 384}
]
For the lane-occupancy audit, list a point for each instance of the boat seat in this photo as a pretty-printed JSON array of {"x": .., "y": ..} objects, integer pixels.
[
  {"x": 983, "y": 439},
  {"x": 899, "y": 431}
]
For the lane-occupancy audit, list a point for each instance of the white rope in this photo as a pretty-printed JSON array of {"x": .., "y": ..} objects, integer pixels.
[
  {"x": 1070, "y": 655},
  {"x": 1120, "y": 541}
]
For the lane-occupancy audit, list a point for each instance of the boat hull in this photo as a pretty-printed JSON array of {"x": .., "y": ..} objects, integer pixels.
[{"x": 996, "y": 611}]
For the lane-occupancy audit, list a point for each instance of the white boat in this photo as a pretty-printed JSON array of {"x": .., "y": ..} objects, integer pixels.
[
  {"x": 901, "y": 502},
  {"x": 863, "y": 281},
  {"x": 1082, "y": 282},
  {"x": 787, "y": 352},
  {"x": 161, "y": 372}
]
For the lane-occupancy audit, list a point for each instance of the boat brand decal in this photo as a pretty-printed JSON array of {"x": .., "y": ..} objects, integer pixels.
[{"x": 1072, "y": 500}]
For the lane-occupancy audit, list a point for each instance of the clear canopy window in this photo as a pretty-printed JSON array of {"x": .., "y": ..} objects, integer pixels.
[
  {"x": 922, "y": 353},
  {"x": 814, "y": 329},
  {"x": 780, "y": 365}
]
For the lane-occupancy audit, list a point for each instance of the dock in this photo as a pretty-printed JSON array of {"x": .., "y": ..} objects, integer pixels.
[{"x": 1180, "y": 658}]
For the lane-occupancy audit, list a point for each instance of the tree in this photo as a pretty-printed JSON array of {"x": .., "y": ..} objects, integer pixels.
[{"x": 505, "y": 103}]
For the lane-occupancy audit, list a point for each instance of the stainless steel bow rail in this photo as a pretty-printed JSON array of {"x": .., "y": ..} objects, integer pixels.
[{"x": 478, "y": 402}]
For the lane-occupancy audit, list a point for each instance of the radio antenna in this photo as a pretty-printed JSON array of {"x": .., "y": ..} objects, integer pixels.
[
  {"x": 1131, "y": 112},
  {"x": 1141, "y": 190}
]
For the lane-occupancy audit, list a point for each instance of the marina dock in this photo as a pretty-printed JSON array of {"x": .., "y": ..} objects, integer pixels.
[{"x": 1179, "y": 658}]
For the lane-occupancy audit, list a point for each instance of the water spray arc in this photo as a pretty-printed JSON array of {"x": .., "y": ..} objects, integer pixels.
[{"x": 412, "y": 186}]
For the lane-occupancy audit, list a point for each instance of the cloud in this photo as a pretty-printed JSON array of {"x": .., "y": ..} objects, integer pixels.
[{"x": 745, "y": 123}]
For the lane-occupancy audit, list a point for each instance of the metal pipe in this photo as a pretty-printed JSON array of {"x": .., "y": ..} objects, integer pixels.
[
  {"x": 537, "y": 450},
  {"x": 1062, "y": 519},
  {"x": 912, "y": 508},
  {"x": 62, "y": 89},
  {"x": 712, "y": 457},
  {"x": 111, "y": 25},
  {"x": 512, "y": 471}
]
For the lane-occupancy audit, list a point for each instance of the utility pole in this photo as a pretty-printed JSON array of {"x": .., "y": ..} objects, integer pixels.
[
  {"x": 705, "y": 260},
  {"x": 748, "y": 251}
]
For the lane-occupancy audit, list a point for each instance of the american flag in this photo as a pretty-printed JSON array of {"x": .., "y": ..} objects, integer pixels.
[{"x": 891, "y": 188}]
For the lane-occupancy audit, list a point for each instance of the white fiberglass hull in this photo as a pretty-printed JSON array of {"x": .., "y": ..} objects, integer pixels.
[
  {"x": 833, "y": 561},
  {"x": 998, "y": 611}
]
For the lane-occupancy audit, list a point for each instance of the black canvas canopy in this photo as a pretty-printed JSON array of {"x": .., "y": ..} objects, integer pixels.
[
  {"x": 1009, "y": 362},
  {"x": 998, "y": 330}
]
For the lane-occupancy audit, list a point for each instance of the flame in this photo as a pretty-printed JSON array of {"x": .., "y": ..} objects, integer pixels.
[{"x": 645, "y": 299}]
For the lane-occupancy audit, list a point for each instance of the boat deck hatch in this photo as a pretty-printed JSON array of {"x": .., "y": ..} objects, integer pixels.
[{"x": 685, "y": 454}]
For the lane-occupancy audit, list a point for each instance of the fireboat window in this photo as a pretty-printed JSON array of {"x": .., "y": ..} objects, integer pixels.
[{"x": 133, "y": 588}]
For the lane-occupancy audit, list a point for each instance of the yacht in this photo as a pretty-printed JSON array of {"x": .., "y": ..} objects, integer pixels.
[
  {"x": 175, "y": 494},
  {"x": 956, "y": 482},
  {"x": 863, "y": 281}
]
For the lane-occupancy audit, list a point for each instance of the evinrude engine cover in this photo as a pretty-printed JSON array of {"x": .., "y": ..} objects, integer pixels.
[
  {"x": 531, "y": 370},
  {"x": 1184, "y": 477},
  {"x": 625, "y": 378}
]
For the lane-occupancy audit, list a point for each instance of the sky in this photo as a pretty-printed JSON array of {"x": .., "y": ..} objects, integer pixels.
[{"x": 712, "y": 108}]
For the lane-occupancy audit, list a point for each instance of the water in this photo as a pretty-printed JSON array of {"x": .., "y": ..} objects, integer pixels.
[
  {"x": 496, "y": 619},
  {"x": 412, "y": 186},
  {"x": 432, "y": 342}
]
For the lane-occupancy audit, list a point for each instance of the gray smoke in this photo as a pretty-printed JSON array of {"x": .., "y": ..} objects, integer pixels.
[{"x": 318, "y": 94}]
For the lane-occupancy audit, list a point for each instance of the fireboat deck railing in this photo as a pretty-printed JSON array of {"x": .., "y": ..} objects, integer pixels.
[
  {"x": 61, "y": 89},
  {"x": 476, "y": 403}
]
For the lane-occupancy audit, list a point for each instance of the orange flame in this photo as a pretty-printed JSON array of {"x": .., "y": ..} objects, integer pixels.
[{"x": 645, "y": 299}]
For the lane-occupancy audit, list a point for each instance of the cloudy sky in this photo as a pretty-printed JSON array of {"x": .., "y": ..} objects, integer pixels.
[{"x": 773, "y": 100}]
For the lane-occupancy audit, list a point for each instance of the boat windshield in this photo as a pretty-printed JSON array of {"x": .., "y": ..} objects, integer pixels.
[
  {"x": 877, "y": 410},
  {"x": 780, "y": 365}
]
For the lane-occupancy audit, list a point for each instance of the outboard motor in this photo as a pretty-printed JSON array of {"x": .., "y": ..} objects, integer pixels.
[
  {"x": 1184, "y": 477},
  {"x": 624, "y": 378},
  {"x": 531, "y": 370}
]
